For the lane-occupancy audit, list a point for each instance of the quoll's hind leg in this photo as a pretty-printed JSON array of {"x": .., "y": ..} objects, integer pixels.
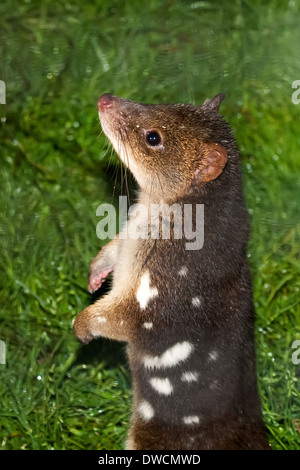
[{"x": 103, "y": 263}]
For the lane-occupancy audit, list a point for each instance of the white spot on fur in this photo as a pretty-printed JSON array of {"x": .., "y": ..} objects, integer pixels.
[
  {"x": 183, "y": 271},
  {"x": 213, "y": 356},
  {"x": 162, "y": 386},
  {"x": 191, "y": 419},
  {"x": 196, "y": 301},
  {"x": 145, "y": 292},
  {"x": 121, "y": 322},
  {"x": 190, "y": 377},
  {"x": 101, "y": 319},
  {"x": 148, "y": 325},
  {"x": 146, "y": 410},
  {"x": 171, "y": 357}
]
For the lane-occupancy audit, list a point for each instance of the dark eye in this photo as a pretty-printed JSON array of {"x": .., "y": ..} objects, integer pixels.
[{"x": 153, "y": 138}]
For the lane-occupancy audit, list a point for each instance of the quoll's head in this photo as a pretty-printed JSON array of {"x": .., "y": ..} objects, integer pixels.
[{"x": 171, "y": 150}]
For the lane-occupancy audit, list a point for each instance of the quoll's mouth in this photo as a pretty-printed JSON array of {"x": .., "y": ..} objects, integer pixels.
[
  {"x": 109, "y": 118},
  {"x": 109, "y": 108}
]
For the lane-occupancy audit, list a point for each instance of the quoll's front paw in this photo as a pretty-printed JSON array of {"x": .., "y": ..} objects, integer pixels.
[
  {"x": 96, "y": 278},
  {"x": 83, "y": 327}
]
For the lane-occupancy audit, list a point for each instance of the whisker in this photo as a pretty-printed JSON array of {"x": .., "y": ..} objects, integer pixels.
[{"x": 127, "y": 164}]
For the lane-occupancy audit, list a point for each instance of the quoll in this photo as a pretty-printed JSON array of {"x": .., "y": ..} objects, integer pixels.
[{"x": 187, "y": 315}]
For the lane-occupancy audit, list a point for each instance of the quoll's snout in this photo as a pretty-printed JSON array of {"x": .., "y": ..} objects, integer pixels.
[{"x": 105, "y": 101}]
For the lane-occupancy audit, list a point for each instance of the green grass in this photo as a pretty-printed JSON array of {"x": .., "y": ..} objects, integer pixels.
[{"x": 56, "y": 59}]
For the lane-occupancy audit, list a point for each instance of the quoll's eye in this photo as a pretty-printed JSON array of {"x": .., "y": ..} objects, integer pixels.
[{"x": 153, "y": 138}]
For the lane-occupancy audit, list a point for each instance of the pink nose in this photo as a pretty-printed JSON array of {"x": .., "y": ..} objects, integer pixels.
[{"x": 105, "y": 101}]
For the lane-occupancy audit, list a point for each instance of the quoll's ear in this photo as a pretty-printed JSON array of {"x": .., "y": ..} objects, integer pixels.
[
  {"x": 214, "y": 104},
  {"x": 214, "y": 159}
]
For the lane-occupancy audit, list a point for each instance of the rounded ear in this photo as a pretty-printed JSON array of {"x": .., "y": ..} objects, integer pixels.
[
  {"x": 214, "y": 159},
  {"x": 214, "y": 104}
]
